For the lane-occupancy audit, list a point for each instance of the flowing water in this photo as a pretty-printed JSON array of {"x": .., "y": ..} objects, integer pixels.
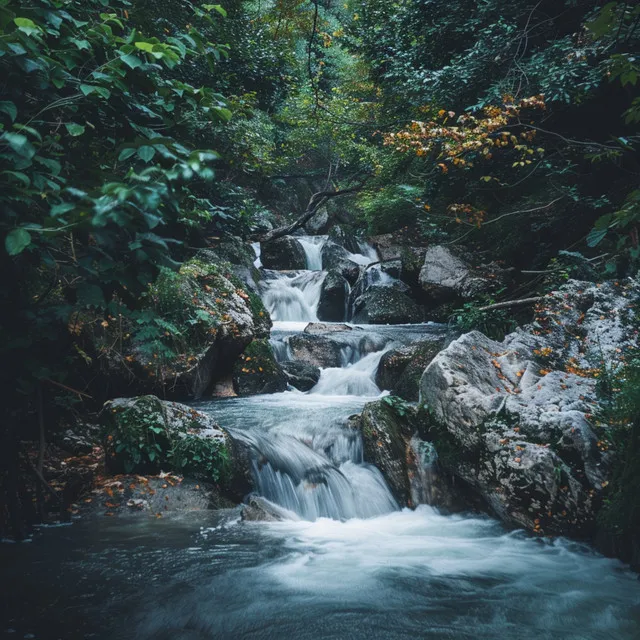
[{"x": 346, "y": 562}]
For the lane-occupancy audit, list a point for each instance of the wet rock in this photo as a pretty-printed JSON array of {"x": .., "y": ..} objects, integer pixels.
[
  {"x": 146, "y": 435},
  {"x": 342, "y": 236},
  {"x": 515, "y": 418},
  {"x": 400, "y": 370},
  {"x": 387, "y": 246},
  {"x": 79, "y": 438},
  {"x": 301, "y": 375},
  {"x": 283, "y": 254},
  {"x": 385, "y": 436},
  {"x": 258, "y": 509},
  {"x": 444, "y": 275},
  {"x": 333, "y": 297},
  {"x": 317, "y": 350},
  {"x": 319, "y": 223},
  {"x": 412, "y": 260},
  {"x": 335, "y": 257},
  {"x": 386, "y": 305},
  {"x": 257, "y": 371},
  {"x": 319, "y": 327}
]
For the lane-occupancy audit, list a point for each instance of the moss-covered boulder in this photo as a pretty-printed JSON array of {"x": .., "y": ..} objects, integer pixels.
[
  {"x": 386, "y": 305},
  {"x": 257, "y": 371},
  {"x": 386, "y": 427},
  {"x": 147, "y": 435},
  {"x": 335, "y": 257},
  {"x": 284, "y": 254},
  {"x": 194, "y": 324},
  {"x": 400, "y": 370}
]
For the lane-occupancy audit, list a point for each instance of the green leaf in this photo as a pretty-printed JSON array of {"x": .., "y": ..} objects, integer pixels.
[
  {"x": 74, "y": 129},
  {"x": 146, "y": 153},
  {"x": 17, "y": 241},
  {"x": 61, "y": 209},
  {"x": 27, "y": 26},
  {"x": 125, "y": 154},
  {"x": 132, "y": 61},
  {"x": 20, "y": 144},
  {"x": 10, "y": 109},
  {"x": 215, "y": 7},
  {"x": 596, "y": 236},
  {"x": 87, "y": 89}
]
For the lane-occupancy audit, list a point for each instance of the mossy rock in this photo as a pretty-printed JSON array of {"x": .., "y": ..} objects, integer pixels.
[
  {"x": 257, "y": 371},
  {"x": 386, "y": 305}
]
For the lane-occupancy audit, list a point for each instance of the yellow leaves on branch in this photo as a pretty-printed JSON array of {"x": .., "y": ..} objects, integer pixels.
[{"x": 459, "y": 142}]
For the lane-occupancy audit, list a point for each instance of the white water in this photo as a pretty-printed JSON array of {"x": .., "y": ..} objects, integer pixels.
[
  {"x": 293, "y": 296},
  {"x": 353, "y": 380},
  {"x": 312, "y": 246}
]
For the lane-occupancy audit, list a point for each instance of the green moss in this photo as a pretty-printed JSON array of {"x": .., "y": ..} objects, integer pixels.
[{"x": 257, "y": 371}]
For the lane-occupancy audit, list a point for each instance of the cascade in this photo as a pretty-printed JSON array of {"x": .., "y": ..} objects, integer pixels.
[{"x": 312, "y": 246}]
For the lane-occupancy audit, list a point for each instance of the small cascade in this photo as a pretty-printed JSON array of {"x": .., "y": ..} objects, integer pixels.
[
  {"x": 367, "y": 254},
  {"x": 257, "y": 263},
  {"x": 312, "y": 246},
  {"x": 292, "y": 296},
  {"x": 355, "y": 379}
]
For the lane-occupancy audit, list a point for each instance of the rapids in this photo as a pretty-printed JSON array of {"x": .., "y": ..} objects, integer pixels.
[{"x": 346, "y": 563}]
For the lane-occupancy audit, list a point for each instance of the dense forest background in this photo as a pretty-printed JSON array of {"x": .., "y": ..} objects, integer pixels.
[{"x": 135, "y": 133}]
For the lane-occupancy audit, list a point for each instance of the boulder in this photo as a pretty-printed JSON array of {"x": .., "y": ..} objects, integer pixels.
[
  {"x": 257, "y": 372},
  {"x": 283, "y": 254},
  {"x": 386, "y": 305},
  {"x": 345, "y": 238},
  {"x": 201, "y": 319},
  {"x": 319, "y": 327},
  {"x": 147, "y": 435},
  {"x": 444, "y": 275},
  {"x": 515, "y": 419},
  {"x": 400, "y": 370},
  {"x": 412, "y": 260},
  {"x": 319, "y": 223},
  {"x": 257, "y": 509},
  {"x": 317, "y": 350},
  {"x": 301, "y": 375},
  {"x": 335, "y": 257},
  {"x": 333, "y": 297},
  {"x": 385, "y": 437},
  {"x": 387, "y": 246}
]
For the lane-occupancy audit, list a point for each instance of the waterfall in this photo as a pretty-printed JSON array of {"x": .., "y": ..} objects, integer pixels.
[
  {"x": 292, "y": 296},
  {"x": 257, "y": 263},
  {"x": 312, "y": 246}
]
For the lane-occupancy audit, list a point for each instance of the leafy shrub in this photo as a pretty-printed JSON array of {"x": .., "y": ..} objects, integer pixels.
[{"x": 203, "y": 456}]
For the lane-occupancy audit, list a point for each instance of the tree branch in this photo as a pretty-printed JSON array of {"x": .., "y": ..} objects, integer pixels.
[{"x": 511, "y": 303}]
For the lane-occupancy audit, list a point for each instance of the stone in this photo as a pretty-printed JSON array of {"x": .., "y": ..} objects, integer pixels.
[
  {"x": 400, "y": 369},
  {"x": 319, "y": 327},
  {"x": 301, "y": 375},
  {"x": 514, "y": 418},
  {"x": 342, "y": 236},
  {"x": 444, "y": 275},
  {"x": 335, "y": 257},
  {"x": 319, "y": 223},
  {"x": 163, "y": 425},
  {"x": 386, "y": 305},
  {"x": 258, "y": 509},
  {"x": 283, "y": 254},
  {"x": 257, "y": 372},
  {"x": 333, "y": 297},
  {"x": 385, "y": 436},
  {"x": 317, "y": 350}
]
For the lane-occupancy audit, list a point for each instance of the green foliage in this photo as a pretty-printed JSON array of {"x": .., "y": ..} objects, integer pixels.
[
  {"x": 138, "y": 437},
  {"x": 620, "y": 514},
  {"x": 400, "y": 407},
  {"x": 205, "y": 456},
  {"x": 96, "y": 180},
  {"x": 494, "y": 323},
  {"x": 390, "y": 208}
]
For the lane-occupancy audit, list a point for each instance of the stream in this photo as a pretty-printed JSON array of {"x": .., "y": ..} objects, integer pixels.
[{"x": 346, "y": 562}]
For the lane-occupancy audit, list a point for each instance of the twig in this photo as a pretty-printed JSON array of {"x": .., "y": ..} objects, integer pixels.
[{"x": 511, "y": 303}]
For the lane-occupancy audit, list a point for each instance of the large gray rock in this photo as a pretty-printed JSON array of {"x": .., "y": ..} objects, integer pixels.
[
  {"x": 444, "y": 275},
  {"x": 333, "y": 298},
  {"x": 345, "y": 238},
  {"x": 301, "y": 375},
  {"x": 386, "y": 305},
  {"x": 317, "y": 350},
  {"x": 515, "y": 418},
  {"x": 283, "y": 254},
  {"x": 400, "y": 369},
  {"x": 319, "y": 223},
  {"x": 335, "y": 257}
]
